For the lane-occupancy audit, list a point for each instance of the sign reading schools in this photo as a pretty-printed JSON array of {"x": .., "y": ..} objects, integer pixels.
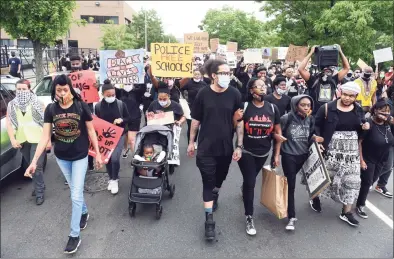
[
  {"x": 122, "y": 66},
  {"x": 85, "y": 81},
  {"x": 172, "y": 59}
]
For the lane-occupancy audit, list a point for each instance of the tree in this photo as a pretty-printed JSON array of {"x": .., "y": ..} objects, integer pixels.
[
  {"x": 42, "y": 22},
  {"x": 117, "y": 37},
  {"x": 169, "y": 38},
  {"x": 155, "y": 29},
  {"x": 229, "y": 24}
]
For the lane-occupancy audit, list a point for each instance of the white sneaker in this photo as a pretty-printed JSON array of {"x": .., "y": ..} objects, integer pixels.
[
  {"x": 291, "y": 226},
  {"x": 115, "y": 187},
  {"x": 109, "y": 188},
  {"x": 250, "y": 229}
]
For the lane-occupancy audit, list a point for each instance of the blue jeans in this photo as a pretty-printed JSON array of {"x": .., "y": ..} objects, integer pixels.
[{"x": 74, "y": 172}]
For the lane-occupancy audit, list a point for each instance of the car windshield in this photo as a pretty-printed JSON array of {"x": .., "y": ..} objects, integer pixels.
[{"x": 9, "y": 86}]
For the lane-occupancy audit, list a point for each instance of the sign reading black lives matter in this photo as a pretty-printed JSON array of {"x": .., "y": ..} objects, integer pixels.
[{"x": 315, "y": 173}]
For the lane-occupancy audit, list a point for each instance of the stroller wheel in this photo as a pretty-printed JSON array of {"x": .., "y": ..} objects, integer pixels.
[
  {"x": 172, "y": 190},
  {"x": 159, "y": 211},
  {"x": 132, "y": 208}
]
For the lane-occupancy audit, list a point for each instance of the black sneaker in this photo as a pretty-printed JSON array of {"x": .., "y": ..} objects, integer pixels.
[
  {"x": 65, "y": 182},
  {"x": 126, "y": 153},
  {"x": 90, "y": 169},
  {"x": 72, "y": 245},
  {"x": 84, "y": 221},
  {"x": 250, "y": 229},
  {"x": 383, "y": 191},
  {"x": 349, "y": 218},
  {"x": 315, "y": 205},
  {"x": 40, "y": 200},
  {"x": 210, "y": 227},
  {"x": 215, "y": 201},
  {"x": 360, "y": 211}
]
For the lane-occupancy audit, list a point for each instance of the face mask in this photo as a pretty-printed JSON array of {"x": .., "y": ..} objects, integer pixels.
[
  {"x": 367, "y": 76},
  {"x": 223, "y": 81},
  {"x": 65, "y": 99},
  {"x": 280, "y": 91},
  {"x": 163, "y": 103},
  {"x": 250, "y": 71},
  {"x": 326, "y": 78},
  {"x": 12, "y": 55},
  {"x": 197, "y": 80},
  {"x": 259, "y": 97},
  {"x": 110, "y": 99},
  {"x": 128, "y": 88},
  {"x": 23, "y": 97},
  {"x": 75, "y": 69},
  {"x": 170, "y": 83}
]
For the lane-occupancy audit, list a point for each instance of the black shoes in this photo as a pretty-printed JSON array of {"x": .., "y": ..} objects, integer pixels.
[
  {"x": 315, "y": 204},
  {"x": 72, "y": 245},
  {"x": 349, "y": 218},
  {"x": 210, "y": 233},
  {"x": 84, "y": 221},
  {"x": 40, "y": 200},
  {"x": 215, "y": 201},
  {"x": 360, "y": 211}
]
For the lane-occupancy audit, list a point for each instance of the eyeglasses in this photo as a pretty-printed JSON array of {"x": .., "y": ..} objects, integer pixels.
[
  {"x": 305, "y": 105},
  {"x": 223, "y": 73},
  {"x": 352, "y": 96}
]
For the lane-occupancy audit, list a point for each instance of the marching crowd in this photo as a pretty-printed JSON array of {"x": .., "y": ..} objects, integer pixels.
[{"x": 278, "y": 110}]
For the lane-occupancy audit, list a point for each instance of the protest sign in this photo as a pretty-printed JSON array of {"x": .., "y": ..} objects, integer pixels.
[
  {"x": 239, "y": 55},
  {"x": 361, "y": 64},
  {"x": 383, "y": 55},
  {"x": 214, "y": 44},
  {"x": 232, "y": 46},
  {"x": 172, "y": 59},
  {"x": 108, "y": 136},
  {"x": 161, "y": 118},
  {"x": 231, "y": 59},
  {"x": 122, "y": 67},
  {"x": 221, "y": 52},
  {"x": 295, "y": 53},
  {"x": 314, "y": 172},
  {"x": 199, "y": 41},
  {"x": 267, "y": 52},
  {"x": 85, "y": 81},
  {"x": 282, "y": 52},
  {"x": 252, "y": 56},
  {"x": 174, "y": 157}
]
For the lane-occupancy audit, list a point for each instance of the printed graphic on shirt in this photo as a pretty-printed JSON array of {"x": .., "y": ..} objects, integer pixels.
[
  {"x": 67, "y": 127},
  {"x": 259, "y": 127},
  {"x": 299, "y": 133},
  {"x": 325, "y": 93}
]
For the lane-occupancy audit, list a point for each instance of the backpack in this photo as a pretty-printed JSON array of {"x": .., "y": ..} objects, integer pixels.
[
  {"x": 290, "y": 118},
  {"x": 97, "y": 108}
]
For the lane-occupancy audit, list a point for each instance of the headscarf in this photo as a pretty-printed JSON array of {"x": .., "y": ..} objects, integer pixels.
[{"x": 351, "y": 86}]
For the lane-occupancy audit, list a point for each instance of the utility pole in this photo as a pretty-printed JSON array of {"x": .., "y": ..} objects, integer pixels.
[
  {"x": 332, "y": 3},
  {"x": 146, "y": 34}
]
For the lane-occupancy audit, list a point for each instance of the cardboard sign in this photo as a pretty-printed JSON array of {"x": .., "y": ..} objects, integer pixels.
[
  {"x": 314, "y": 172},
  {"x": 199, "y": 41},
  {"x": 282, "y": 52},
  {"x": 231, "y": 59},
  {"x": 174, "y": 157},
  {"x": 232, "y": 46},
  {"x": 85, "y": 81},
  {"x": 295, "y": 53},
  {"x": 122, "y": 67},
  {"x": 108, "y": 136},
  {"x": 172, "y": 59},
  {"x": 267, "y": 52},
  {"x": 221, "y": 52},
  {"x": 253, "y": 56},
  {"x": 161, "y": 118},
  {"x": 214, "y": 44},
  {"x": 383, "y": 55},
  {"x": 361, "y": 64}
]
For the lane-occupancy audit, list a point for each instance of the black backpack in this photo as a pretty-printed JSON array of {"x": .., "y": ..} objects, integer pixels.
[{"x": 97, "y": 108}]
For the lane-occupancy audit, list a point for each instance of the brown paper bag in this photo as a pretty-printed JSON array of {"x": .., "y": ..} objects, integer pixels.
[{"x": 274, "y": 192}]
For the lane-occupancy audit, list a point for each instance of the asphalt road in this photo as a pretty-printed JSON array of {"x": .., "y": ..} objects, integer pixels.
[{"x": 28, "y": 230}]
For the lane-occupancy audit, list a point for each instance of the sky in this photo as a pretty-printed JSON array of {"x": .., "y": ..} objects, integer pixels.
[{"x": 181, "y": 17}]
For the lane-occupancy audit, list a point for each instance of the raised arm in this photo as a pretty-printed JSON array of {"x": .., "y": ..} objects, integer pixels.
[
  {"x": 345, "y": 63},
  {"x": 301, "y": 69},
  {"x": 155, "y": 82}
]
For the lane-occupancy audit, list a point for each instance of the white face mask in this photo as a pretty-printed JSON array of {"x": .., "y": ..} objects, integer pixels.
[
  {"x": 280, "y": 91},
  {"x": 223, "y": 81},
  {"x": 128, "y": 88},
  {"x": 170, "y": 83},
  {"x": 110, "y": 99},
  {"x": 163, "y": 103},
  {"x": 197, "y": 80}
]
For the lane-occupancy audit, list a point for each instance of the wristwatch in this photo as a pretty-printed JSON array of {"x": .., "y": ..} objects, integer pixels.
[{"x": 240, "y": 146}]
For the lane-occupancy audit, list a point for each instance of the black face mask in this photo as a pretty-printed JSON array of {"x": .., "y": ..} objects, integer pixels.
[
  {"x": 75, "y": 68},
  {"x": 12, "y": 55},
  {"x": 367, "y": 76}
]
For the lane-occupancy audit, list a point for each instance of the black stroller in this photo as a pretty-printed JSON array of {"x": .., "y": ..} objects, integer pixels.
[{"x": 145, "y": 189}]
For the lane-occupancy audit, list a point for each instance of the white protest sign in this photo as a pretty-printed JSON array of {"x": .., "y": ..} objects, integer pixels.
[
  {"x": 383, "y": 55},
  {"x": 162, "y": 118},
  {"x": 231, "y": 59},
  {"x": 267, "y": 52},
  {"x": 253, "y": 56},
  {"x": 282, "y": 52},
  {"x": 174, "y": 157},
  {"x": 221, "y": 52}
]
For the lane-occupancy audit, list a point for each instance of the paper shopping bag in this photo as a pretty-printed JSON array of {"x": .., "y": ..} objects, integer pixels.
[{"x": 274, "y": 192}]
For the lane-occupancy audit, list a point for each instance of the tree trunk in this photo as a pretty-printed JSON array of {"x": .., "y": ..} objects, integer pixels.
[{"x": 38, "y": 50}]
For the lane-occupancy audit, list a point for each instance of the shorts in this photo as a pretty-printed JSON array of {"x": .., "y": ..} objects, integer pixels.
[{"x": 134, "y": 125}]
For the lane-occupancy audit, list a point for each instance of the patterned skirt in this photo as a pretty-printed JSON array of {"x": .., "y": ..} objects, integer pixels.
[{"x": 343, "y": 165}]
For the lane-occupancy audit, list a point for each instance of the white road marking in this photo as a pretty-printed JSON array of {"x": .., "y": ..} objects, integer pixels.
[{"x": 380, "y": 214}]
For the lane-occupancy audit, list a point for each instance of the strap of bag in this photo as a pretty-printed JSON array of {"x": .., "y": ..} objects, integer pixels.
[
  {"x": 326, "y": 110},
  {"x": 120, "y": 107},
  {"x": 245, "y": 106}
]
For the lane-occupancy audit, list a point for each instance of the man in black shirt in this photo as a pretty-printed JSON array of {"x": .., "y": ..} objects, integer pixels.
[
  {"x": 278, "y": 97},
  {"x": 213, "y": 110},
  {"x": 14, "y": 65}
]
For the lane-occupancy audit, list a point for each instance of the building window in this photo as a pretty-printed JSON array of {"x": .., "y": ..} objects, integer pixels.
[
  {"x": 100, "y": 19},
  {"x": 24, "y": 43},
  {"x": 7, "y": 42},
  {"x": 127, "y": 21}
]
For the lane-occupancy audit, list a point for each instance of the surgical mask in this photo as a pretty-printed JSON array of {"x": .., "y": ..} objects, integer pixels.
[
  {"x": 197, "y": 80},
  {"x": 250, "y": 71},
  {"x": 280, "y": 91},
  {"x": 23, "y": 97},
  {"x": 110, "y": 99},
  {"x": 223, "y": 81},
  {"x": 128, "y": 88},
  {"x": 163, "y": 103},
  {"x": 170, "y": 83}
]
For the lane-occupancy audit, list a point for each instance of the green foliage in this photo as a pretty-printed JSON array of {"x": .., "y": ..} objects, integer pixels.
[
  {"x": 117, "y": 37},
  {"x": 169, "y": 38}
]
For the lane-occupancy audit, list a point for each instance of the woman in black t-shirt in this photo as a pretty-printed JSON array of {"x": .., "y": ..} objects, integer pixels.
[
  {"x": 72, "y": 120},
  {"x": 260, "y": 119}
]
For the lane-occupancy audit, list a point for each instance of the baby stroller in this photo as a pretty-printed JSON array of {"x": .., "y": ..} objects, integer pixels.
[{"x": 149, "y": 189}]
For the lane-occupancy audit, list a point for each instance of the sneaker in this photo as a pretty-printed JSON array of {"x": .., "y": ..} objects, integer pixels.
[
  {"x": 72, "y": 245},
  {"x": 383, "y": 191},
  {"x": 215, "y": 201},
  {"x": 210, "y": 228},
  {"x": 84, "y": 221},
  {"x": 40, "y": 200},
  {"x": 90, "y": 169},
  {"x": 115, "y": 187},
  {"x": 315, "y": 205},
  {"x": 109, "y": 188},
  {"x": 360, "y": 211},
  {"x": 291, "y": 224},
  {"x": 349, "y": 218},
  {"x": 250, "y": 229},
  {"x": 65, "y": 182},
  {"x": 126, "y": 153}
]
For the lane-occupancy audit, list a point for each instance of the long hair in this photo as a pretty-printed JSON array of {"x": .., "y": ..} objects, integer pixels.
[{"x": 64, "y": 80}]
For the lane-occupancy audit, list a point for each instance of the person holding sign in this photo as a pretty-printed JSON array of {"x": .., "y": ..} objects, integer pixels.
[
  {"x": 113, "y": 111},
  {"x": 213, "y": 109},
  {"x": 72, "y": 120}
]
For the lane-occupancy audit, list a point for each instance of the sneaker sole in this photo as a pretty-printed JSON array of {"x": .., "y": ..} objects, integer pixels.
[
  {"x": 290, "y": 228},
  {"x": 362, "y": 216},
  {"x": 75, "y": 250},
  {"x": 251, "y": 234},
  {"x": 209, "y": 238},
  {"x": 347, "y": 221},
  {"x": 86, "y": 223},
  {"x": 385, "y": 195}
]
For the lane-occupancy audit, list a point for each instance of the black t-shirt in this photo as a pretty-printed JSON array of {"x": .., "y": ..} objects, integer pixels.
[
  {"x": 215, "y": 113},
  {"x": 207, "y": 80},
  {"x": 258, "y": 125},
  {"x": 283, "y": 103},
  {"x": 173, "y": 107},
  {"x": 192, "y": 89},
  {"x": 14, "y": 63},
  {"x": 71, "y": 136},
  {"x": 348, "y": 121},
  {"x": 110, "y": 112},
  {"x": 321, "y": 92},
  {"x": 132, "y": 99}
]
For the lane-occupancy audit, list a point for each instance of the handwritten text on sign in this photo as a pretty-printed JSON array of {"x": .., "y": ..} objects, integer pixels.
[
  {"x": 108, "y": 136},
  {"x": 199, "y": 40},
  {"x": 295, "y": 53},
  {"x": 122, "y": 66},
  {"x": 172, "y": 59},
  {"x": 160, "y": 118},
  {"x": 85, "y": 81}
]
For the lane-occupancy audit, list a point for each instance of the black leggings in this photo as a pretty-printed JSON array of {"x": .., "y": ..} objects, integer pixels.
[
  {"x": 189, "y": 126},
  {"x": 250, "y": 167},
  {"x": 214, "y": 171},
  {"x": 292, "y": 164},
  {"x": 368, "y": 177}
]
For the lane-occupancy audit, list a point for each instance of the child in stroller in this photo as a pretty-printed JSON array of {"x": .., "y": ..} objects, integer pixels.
[{"x": 149, "y": 155}]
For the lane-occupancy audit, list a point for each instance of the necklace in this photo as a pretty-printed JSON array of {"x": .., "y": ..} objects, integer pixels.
[{"x": 385, "y": 134}]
